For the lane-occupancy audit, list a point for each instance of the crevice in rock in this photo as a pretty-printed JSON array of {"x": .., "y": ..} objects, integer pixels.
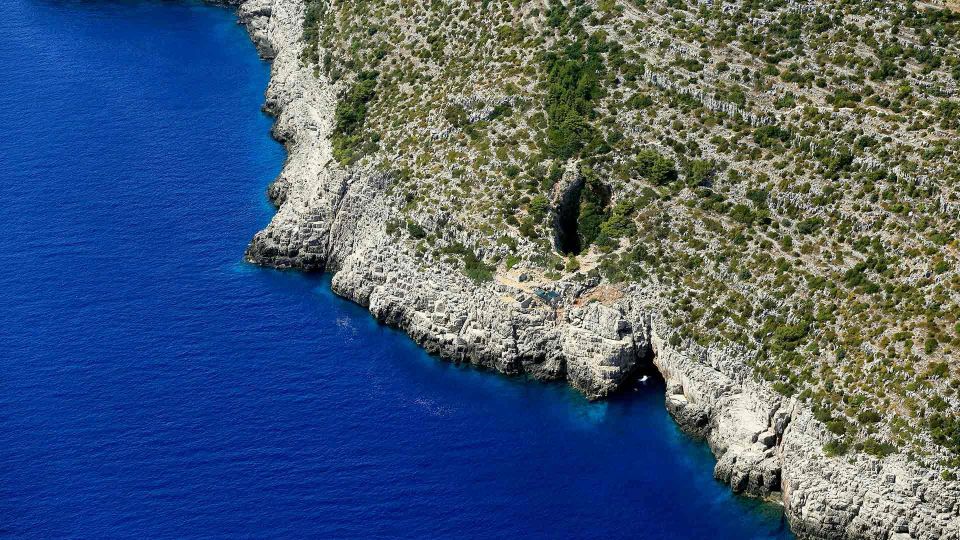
[
  {"x": 566, "y": 216},
  {"x": 581, "y": 206}
]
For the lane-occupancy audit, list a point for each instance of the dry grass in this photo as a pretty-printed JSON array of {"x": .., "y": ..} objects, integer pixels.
[{"x": 605, "y": 294}]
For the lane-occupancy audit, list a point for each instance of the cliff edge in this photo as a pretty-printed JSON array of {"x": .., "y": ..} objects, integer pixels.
[{"x": 336, "y": 218}]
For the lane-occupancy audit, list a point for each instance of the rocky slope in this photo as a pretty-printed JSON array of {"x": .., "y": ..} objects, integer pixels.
[{"x": 595, "y": 337}]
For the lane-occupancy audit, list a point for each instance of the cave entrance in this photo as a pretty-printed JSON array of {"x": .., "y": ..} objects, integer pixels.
[
  {"x": 582, "y": 208},
  {"x": 565, "y": 222},
  {"x": 644, "y": 380}
]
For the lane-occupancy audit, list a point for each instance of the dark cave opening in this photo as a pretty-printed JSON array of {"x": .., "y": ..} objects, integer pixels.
[
  {"x": 579, "y": 215},
  {"x": 567, "y": 237},
  {"x": 644, "y": 376}
]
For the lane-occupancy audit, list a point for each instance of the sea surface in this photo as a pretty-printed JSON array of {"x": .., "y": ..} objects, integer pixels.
[{"x": 152, "y": 385}]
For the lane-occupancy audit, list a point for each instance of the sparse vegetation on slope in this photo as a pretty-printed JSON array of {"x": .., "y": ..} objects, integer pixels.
[{"x": 785, "y": 175}]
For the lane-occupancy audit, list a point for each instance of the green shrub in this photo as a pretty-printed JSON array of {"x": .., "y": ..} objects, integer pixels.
[
  {"x": 699, "y": 172},
  {"x": 945, "y": 430},
  {"x": 539, "y": 206},
  {"x": 758, "y": 196},
  {"x": 527, "y": 228},
  {"x": 837, "y": 426},
  {"x": 877, "y": 448},
  {"x": 937, "y": 403},
  {"x": 809, "y": 225},
  {"x": 939, "y": 369},
  {"x": 836, "y": 447},
  {"x": 593, "y": 212},
  {"x": 785, "y": 388},
  {"x": 350, "y": 115},
  {"x": 620, "y": 223},
  {"x": 742, "y": 213},
  {"x": 656, "y": 168},
  {"x": 844, "y": 98},
  {"x": 639, "y": 101},
  {"x": 476, "y": 269},
  {"x": 767, "y": 136},
  {"x": 456, "y": 115},
  {"x": 416, "y": 230},
  {"x": 473, "y": 267}
]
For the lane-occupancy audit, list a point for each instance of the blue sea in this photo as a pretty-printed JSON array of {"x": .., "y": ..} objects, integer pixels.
[{"x": 152, "y": 385}]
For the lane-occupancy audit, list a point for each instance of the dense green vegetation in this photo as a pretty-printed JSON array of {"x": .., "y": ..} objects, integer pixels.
[
  {"x": 473, "y": 267},
  {"x": 593, "y": 211},
  {"x": 572, "y": 85},
  {"x": 946, "y": 431},
  {"x": 313, "y": 15},
  {"x": 656, "y": 168},
  {"x": 350, "y": 116}
]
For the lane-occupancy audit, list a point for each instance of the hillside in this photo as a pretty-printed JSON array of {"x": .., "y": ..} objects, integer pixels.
[
  {"x": 783, "y": 174},
  {"x": 760, "y": 197}
]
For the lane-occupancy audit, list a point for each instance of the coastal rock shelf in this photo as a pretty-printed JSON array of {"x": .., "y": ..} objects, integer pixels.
[{"x": 335, "y": 219}]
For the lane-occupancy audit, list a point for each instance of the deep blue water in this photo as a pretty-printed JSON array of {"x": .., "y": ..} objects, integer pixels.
[{"x": 154, "y": 386}]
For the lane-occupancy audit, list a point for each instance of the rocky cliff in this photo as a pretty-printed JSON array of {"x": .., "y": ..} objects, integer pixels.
[{"x": 336, "y": 218}]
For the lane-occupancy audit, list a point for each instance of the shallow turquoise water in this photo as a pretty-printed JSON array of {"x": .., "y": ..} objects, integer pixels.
[{"x": 152, "y": 385}]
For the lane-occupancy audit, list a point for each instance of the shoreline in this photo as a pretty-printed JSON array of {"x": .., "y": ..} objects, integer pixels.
[{"x": 767, "y": 446}]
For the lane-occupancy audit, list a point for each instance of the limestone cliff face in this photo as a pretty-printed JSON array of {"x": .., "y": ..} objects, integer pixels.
[{"x": 336, "y": 220}]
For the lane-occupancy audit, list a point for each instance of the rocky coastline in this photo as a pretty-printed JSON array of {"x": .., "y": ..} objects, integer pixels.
[{"x": 594, "y": 338}]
